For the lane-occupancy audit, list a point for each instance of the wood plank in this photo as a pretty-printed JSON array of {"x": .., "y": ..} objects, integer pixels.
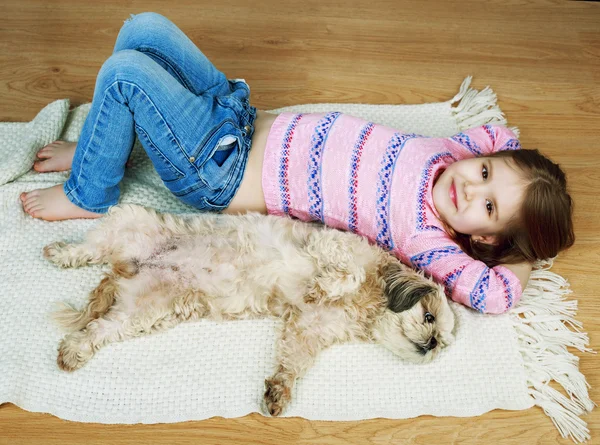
[{"x": 541, "y": 57}]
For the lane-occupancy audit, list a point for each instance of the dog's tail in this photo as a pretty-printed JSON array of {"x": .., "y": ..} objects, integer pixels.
[
  {"x": 69, "y": 318},
  {"x": 101, "y": 299}
]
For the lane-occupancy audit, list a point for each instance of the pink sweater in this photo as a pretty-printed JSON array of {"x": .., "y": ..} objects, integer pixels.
[{"x": 377, "y": 182}]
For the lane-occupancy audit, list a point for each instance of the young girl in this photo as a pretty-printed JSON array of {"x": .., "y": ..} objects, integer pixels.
[{"x": 473, "y": 211}]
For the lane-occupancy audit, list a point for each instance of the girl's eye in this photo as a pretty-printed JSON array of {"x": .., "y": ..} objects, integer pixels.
[
  {"x": 484, "y": 172},
  {"x": 489, "y": 206}
]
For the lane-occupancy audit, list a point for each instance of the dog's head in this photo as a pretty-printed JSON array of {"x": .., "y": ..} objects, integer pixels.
[{"x": 418, "y": 321}]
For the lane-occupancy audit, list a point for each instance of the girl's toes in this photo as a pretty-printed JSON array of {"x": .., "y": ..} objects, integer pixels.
[
  {"x": 27, "y": 204},
  {"x": 29, "y": 207},
  {"x": 26, "y": 196},
  {"x": 44, "y": 153},
  {"x": 30, "y": 200},
  {"x": 32, "y": 203},
  {"x": 37, "y": 166},
  {"x": 47, "y": 165},
  {"x": 35, "y": 211}
]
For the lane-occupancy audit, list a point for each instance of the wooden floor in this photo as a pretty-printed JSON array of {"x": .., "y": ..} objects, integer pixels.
[{"x": 542, "y": 57}]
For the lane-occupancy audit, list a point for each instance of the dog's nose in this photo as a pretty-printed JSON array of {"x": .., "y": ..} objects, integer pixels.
[{"x": 432, "y": 344}]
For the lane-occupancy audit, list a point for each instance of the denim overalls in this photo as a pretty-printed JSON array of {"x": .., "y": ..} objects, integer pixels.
[{"x": 195, "y": 125}]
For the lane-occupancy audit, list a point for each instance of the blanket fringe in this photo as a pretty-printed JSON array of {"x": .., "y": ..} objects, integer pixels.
[
  {"x": 545, "y": 324},
  {"x": 477, "y": 108}
]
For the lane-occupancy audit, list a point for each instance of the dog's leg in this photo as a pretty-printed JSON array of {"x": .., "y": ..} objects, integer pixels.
[
  {"x": 304, "y": 335},
  {"x": 122, "y": 308},
  {"x": 74, "y": 254},
  {"x": 77, "y": 348},
  {"x": 100, "y": 301},
  {"x": 124, "y": 233},
  {"x": 97, "y": 247}
]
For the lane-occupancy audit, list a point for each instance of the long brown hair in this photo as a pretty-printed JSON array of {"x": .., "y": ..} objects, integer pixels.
[{"x": 544, "y": 224}]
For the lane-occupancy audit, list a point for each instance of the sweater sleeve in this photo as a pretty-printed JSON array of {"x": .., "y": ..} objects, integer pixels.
[
  {"x": 466, "y": 280},
  {"x": 485, "y": 140}
]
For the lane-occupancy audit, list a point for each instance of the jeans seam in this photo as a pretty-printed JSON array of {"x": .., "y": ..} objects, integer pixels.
[
  {"x": 166, "y": 160},
  {"x": 71, "y": 197},
  {"x": 87, "y": 147}
]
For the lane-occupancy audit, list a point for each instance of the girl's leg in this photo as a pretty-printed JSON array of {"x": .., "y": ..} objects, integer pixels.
[
  {"x": 157, "y": 37},
  {"x": 133, "y": 94},
  {"x": 160, "y": 39}
]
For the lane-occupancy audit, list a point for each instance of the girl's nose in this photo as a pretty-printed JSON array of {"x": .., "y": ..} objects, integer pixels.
[
  {"x": 473, "y": 190},
  {"x": 468, "y": 189}
]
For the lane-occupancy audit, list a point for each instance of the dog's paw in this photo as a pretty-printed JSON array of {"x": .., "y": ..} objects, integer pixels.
[
  {"x": 72, "y": 355},
  {"x": 57, "y": 254},
  {"x": 277, "y": 395}
]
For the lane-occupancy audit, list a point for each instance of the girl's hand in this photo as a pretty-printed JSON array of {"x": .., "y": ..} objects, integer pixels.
[{"x": 521, "y": 270}]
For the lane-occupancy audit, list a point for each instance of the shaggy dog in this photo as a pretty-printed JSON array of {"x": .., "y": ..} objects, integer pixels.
[{"x": 327, "y": 286}]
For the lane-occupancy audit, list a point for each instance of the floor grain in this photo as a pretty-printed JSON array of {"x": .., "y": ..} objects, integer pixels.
[{"x": 541, "y": 57}]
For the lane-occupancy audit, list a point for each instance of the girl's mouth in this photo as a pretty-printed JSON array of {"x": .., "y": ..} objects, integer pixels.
[{"x": 453, "y": 194}]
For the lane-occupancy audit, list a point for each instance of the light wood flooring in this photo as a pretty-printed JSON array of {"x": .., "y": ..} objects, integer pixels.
[{"x": 542, "y": 58}]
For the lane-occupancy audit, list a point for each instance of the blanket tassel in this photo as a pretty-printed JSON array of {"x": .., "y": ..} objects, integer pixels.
[
  {"x": 545, "y": 324},
  {"x": 477, "y": 108}
]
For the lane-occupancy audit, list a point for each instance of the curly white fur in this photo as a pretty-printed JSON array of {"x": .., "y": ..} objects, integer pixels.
[{"x": 326, "y": 285}]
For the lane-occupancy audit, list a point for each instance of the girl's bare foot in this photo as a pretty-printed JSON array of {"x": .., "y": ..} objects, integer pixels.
[
  {"x": 58, "y": 157},
  {"x": 55, "y": 157},
  {"x": 52, "y": 204}
]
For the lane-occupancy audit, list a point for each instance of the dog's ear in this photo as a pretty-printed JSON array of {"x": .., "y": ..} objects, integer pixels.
[{"x": 404, "y": 287}]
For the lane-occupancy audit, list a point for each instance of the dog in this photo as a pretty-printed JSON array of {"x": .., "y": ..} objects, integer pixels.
[{"x": 326, "y": 285}]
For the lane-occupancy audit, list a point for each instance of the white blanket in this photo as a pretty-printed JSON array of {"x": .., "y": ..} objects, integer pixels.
[{"x": 205, "y": 369}]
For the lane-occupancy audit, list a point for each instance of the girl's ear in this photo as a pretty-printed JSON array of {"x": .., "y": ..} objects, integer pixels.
[{"x": 485, "y": 239}]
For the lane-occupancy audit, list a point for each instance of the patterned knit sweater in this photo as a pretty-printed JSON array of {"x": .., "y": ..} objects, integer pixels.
[{"x": 377, "y": 182}]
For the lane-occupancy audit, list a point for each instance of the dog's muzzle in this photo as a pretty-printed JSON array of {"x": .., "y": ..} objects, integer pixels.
[{"x": 431, "y": 344}]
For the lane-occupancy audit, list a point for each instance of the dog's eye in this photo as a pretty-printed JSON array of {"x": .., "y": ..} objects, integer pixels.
[{"x": 429, "y": 318}]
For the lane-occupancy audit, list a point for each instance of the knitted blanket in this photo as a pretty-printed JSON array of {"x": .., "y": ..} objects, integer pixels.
[{"x": 204, "y": 369}]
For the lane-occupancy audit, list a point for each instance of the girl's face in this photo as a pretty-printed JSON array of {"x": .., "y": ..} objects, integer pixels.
[{"x": 479, "y": 196}]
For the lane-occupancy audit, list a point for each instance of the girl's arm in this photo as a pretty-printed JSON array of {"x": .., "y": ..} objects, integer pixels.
[
  {"x": 467, "y": 281},
  {"x": 521, "y": 270},
  {"x": 485, "y": 140}
]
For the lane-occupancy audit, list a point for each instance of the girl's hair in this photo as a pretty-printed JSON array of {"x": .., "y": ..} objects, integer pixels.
[{"x": 544, "y": 225}]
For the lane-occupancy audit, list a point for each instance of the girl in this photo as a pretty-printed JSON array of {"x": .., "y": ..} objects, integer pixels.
[{"x": 473, "y": 211}]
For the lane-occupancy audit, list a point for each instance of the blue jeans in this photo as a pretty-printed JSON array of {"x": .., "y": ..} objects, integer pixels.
[{"x": 195, "y": 125}]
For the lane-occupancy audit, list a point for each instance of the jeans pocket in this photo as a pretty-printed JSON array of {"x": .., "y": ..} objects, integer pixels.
[
  {"x": 167, "y": 171},
  {"x": 217, "y": 171},
  {"x": 210, "y": 142}
]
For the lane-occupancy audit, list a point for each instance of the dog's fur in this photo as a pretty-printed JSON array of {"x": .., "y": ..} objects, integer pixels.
[{"x": 327, "y": 286}]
